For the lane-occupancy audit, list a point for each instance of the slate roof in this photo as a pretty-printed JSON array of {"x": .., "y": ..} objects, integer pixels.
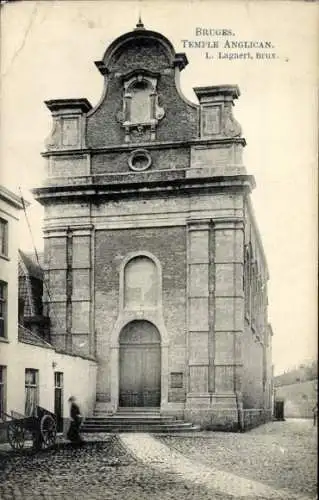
[
  {"x": 30, "y": 283},
  {"x": 28, "y": 337},
  {"x": 32, "y": 267}
]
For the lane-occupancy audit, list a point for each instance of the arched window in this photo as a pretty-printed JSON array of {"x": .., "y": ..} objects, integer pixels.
[{"x": 141, "y": 284}]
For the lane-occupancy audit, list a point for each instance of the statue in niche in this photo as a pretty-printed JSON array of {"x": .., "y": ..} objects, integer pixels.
[
  {"x": 140, "y": 103},
  {"x": 140, "y": 108}
]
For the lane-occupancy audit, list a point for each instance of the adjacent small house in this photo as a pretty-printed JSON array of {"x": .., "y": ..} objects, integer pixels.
[
  {"x": 297, "y": 390},
  {"x": 32, "y": 371}
]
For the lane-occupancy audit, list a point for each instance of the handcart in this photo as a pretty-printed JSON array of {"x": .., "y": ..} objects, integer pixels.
[{"x": 40, "y": 427}]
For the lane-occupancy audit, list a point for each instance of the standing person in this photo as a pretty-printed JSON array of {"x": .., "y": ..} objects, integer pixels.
[{"x": 76, "y": 420}]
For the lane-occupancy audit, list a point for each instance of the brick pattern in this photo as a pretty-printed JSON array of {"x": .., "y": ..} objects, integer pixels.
[
  {"x": 256, "y": 345},
  {"x": 217, "y": 354},
  {"x": 180, "y": 121},
  {"x": 169, "y": 246},
  {"x": 117, "y": 162}
]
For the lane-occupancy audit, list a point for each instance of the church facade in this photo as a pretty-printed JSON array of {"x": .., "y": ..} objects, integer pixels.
[{"x": 153, "y": 261}]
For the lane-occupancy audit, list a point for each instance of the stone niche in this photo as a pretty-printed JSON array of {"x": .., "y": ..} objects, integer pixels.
[
  {"x": 140, "y": 111},
  {"x": 216, "y": 115},
  {"x": 69, "y": 121},
  {"x": 222, "y": 153}
]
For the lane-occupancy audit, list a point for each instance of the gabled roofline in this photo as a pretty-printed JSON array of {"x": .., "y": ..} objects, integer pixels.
[{"x": 176, "y": 59}]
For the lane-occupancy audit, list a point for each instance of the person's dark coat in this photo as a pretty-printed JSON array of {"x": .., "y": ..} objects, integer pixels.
[{"x": 76, "y": 420}]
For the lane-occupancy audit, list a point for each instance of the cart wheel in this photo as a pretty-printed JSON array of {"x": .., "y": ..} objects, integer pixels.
[
  {"x": 48, "y": 431},
  {"x": 15, "y": 433}
]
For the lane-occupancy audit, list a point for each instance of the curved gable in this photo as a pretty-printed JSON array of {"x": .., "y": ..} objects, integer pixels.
[{"x": 171, "y": 116}]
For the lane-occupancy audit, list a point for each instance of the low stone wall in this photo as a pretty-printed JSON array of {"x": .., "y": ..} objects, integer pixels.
[
  {"x": 229, "y": 420},
  {"x": 254, "y": 417},
  {"x": 214, "y": 420},
  {"x": 299, "y": 399}
]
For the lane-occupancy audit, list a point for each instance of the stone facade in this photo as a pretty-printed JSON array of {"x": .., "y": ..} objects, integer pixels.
[{"x": 148, "y": 184}]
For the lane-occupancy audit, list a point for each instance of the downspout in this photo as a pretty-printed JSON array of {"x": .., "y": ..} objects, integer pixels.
[{"x": 239, "y": 407}]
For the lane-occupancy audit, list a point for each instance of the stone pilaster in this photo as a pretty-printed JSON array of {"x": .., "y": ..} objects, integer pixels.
[
  {"x": 220, "y": 152},
  {"x": 82, "y": 291},
  {"x": 229, "y": 313},
  {"x": 198, "y": 313},
  {"x": 55, "y": 284},
  {"x": 69, "y": 123},
  {"x": 69, "y": 288}
]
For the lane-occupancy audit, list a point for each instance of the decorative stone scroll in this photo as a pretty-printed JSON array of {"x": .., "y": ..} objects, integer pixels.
[
  {"x": 231, "y": 127},
  {"x": 54, "y": 139},
  {"x": 140, "y": 111}
]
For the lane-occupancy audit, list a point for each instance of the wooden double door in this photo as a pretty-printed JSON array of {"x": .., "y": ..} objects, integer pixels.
[{"x": 140, "y": 365}]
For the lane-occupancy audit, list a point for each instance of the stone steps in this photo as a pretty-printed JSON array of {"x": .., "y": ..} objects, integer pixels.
[
  {"x": 138, "y": 409},
  {"x": 131, "y": 420},
  {"x": 157, "y": 428},
  {"x": 135, "y": 420}
]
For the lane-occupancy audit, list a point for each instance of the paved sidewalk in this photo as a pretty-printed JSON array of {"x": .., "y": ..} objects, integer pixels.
[{"x": 151, "y": 451}]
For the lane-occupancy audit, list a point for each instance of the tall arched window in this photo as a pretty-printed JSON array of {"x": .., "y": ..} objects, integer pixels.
[{"x": 141, "y": 284}]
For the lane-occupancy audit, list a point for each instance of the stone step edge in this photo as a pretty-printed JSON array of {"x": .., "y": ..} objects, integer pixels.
[
  {"x": 149, "y": 431},
  {"x": 99, "y": 428}
]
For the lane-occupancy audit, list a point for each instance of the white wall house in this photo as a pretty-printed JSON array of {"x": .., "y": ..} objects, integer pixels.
[{"x": 32, "y": 371}]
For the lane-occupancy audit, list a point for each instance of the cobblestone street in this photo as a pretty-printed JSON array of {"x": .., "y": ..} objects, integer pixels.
[
  {"x": 282, "y": 455},
  {"x": 277, "y": 460}
]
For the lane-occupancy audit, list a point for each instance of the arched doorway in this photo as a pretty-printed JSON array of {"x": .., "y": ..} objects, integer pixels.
[{"x": 140, "y": 365}]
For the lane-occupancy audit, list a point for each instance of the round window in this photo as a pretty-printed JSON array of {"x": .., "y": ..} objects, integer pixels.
[{"x": 139, "y": 160}]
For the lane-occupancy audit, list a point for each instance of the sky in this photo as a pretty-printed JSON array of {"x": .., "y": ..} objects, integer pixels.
[{"x": 48, "y": 49}]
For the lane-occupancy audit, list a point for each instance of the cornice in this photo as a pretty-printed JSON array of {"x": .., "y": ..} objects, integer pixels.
[
  {"x": 137, "y": 189},
  {"x": 81, "y": 104},
  {"x": 147, "y": 145}
]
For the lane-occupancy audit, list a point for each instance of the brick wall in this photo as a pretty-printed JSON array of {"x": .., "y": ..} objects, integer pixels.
[
  {"x": 180, "y": 121},
  {"x": 169, "y": 246},
  {"x": 170, "y": 158},
  {"x": 299, "y": 398}
]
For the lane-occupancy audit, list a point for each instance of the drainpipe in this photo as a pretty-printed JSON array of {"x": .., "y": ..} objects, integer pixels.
[{"x": 240, "y": 420}]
